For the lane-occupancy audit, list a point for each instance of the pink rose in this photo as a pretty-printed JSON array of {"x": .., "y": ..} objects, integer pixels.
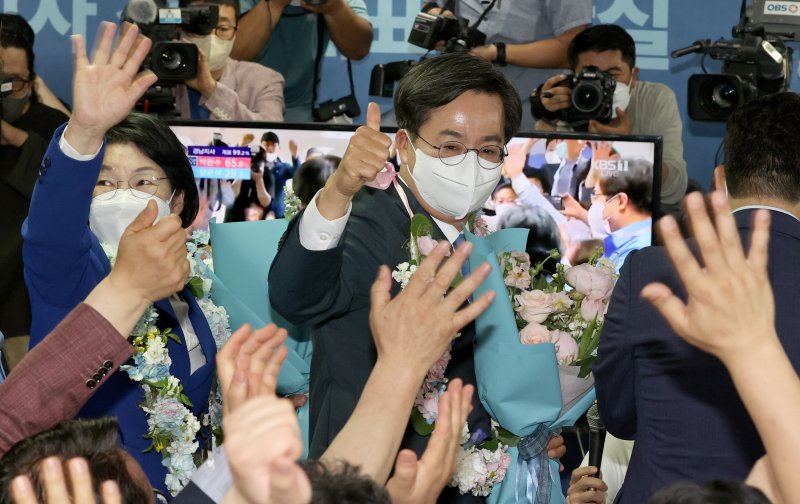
[
  {"x": 519, "y": 278},
  {"x": 533, "y": 334},
  {"x": 594, "y": 283},
  {"x": 592, "y": 309},
  {"x": 566, "y": 347},
  {"x": 533, "y": 306},
  {"x": 425, "y": 244},
  {"x": 481, "y": 226}
]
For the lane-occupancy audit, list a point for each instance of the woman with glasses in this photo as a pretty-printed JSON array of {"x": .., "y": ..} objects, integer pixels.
[
  {"x": 26, "y": 126},
  {"x": 99, "y": 173},
  {"x": 227, "y": 89}
]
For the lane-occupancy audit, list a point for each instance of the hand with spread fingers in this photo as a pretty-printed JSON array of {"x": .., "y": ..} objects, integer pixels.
[{"x": 56, "y": 490}]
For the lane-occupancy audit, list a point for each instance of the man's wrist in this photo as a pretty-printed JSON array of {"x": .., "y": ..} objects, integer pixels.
[{"x": 500, "y": 53}]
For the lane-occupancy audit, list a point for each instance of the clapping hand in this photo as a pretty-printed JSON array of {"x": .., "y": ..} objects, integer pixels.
[
  {"x": 730, "y": 303},
  {"x": 106, "y": 89},
  {"x": 421, "y": 481},
  {"x": 51, "y": 473}
]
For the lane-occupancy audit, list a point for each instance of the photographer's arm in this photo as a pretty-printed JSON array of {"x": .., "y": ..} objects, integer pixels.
[
  {"x": 255, "y": 28},
  {"x": 351, "y": 33},
  {"x": 264, "y": 197},
  {"x": 547, "y": 53}
]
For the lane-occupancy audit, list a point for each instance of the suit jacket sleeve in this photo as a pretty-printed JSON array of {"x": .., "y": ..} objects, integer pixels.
[
  {"x": 57, "y": 239},
  {"x": 50, "y": 384},
  {"x": 614, "y": 368}
]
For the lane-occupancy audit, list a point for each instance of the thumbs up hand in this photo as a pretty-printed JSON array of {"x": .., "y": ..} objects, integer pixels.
[{"x": 364, "y": 158}]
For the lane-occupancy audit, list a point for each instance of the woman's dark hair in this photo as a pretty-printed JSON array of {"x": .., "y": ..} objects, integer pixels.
[
  {"x": 342, "y": 483},
  {"x": 16, "y": 32},
  {"x": 311, "y": 176},
  {"x": 715, "y": 492},
  {"x": 435, "y": 82},
  {"x": 156, "y": 141},
  {"x": 96, "y": 440},
  {"x": 599, "y": 38},
  {"x": 542, "y": 232}
]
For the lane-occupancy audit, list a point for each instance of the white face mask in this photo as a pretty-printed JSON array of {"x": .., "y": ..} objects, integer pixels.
[
  {"x": 271, "y": 157},
  {"x": 597, "y": 223},
  {"x": 109, "y": 218},
  {"x": 219, "y": 52},
  {"x": 552, "y": 157},
  {"x": 454, "y": 190},
  {"x": 201, "y": 41},
  {"x": 622, "y": 97}
]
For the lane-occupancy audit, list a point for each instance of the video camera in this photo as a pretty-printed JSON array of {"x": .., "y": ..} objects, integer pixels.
[
  {"x": 592, "y": 98},
  {"x": 172, "y": 61},
  {"x": 756, "y": 61}
]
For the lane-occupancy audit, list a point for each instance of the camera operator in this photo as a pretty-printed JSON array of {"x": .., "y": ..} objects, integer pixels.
[
  {"x": 526, "y": 38},
  {"x": 225, "y": 88},
  {"x": 641, "y": 108},
  {"x": 291, "y": 36}
]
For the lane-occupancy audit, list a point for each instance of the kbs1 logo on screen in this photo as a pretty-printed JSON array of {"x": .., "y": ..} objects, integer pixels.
[
  {"x": 782, "y": 7},
  {"x": 610, "y": 167}
]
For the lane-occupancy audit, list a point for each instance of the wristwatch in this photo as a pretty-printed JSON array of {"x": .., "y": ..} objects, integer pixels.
[{"x": 501, "y": 53}]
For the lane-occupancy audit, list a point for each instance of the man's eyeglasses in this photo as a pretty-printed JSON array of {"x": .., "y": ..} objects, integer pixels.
[
  {"x": 453, "y": 152},
  {"x": 608, "y": 197},
  {"x": 105, "y": 189}
]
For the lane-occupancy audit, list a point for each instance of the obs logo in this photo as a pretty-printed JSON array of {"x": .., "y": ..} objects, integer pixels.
[{"x": 779, "y": 8}]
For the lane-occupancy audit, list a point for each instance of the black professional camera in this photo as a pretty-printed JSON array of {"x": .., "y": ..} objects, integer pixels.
[
  {"x": 756, "y": 62},
  {"x": 172, "y": 61},
  {"x": 592, "y": 98},
  {"x": 458, "y": 35}
]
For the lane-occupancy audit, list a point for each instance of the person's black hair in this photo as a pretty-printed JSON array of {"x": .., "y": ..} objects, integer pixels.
[
  {"x": 342, "y": 483},
  {"x": 96, "y": 440},
  {"x": 270, "y": 136},
  {"x": 599, "y": 38},
  {"x": 539, "y": 175},
  {"x": 542, "y": 232},
  {"x": 156, "y": 141},
  {"x": 636, "y": 181},
  {"x": 762, "y": 155},
  {"x": 714, "y": 492},
  {"x": 500, "y": 187},
  {"x": 232, "y": 3},
  {"x": 17, "y": 33},
  {"x": 311, "y": 176},
  {"x": 435, "y": 82}
]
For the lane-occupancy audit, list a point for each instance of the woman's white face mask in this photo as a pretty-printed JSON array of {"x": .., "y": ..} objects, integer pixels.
[{"x": 108, "y": 218}]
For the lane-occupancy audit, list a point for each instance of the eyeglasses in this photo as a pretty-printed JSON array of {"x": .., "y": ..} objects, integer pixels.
[
  {"x": 608, "y": 197},
  {"x": 105, "y": 189},
  {"x": 225, "y": 32},
  {"x": 17, "y": 83},
  {"x": 452, "y": 152}
]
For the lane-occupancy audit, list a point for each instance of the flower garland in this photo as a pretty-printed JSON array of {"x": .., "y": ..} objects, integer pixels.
[
  {"x": 482, "y": 460},
  {"x": 172, "y": 427}
]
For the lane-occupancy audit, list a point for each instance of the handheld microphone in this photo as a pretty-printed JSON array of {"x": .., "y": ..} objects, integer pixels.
[
  {"x": 140, "y": 11},
  {"x": 597, "y": 436}
]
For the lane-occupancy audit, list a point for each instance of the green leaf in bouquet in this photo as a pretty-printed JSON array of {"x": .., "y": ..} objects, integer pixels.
[
  {"x": 586, "y": 366},
  {"x": 171, "y": 335},
  {"x": 421, "y": 426},
  {"x": 185, "y": 400},
  {"x": 420, "y": 226},
  {"x": 490, "y": 444},
  {"x": 196, "y": 287},
  {"x": 507, "y": 437},
  {"x": 586, "y": 339}
]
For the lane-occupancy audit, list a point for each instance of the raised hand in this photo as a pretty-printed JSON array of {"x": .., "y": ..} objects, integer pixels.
[
  {"x": 365, "y": 156},
  {"x": 421, "y": 481},
  {"x": 55, "y": 485},
  {"x": 106, "y": 89},
  {"x": 415, "y": 327},
  {"x": 730, "y": 306},
  {"x": 151, "y": 259},
  {"x": 249, "y": 363}
]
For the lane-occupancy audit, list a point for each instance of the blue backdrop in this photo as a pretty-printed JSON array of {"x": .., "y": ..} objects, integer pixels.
[{"x": 658, "y": 26}]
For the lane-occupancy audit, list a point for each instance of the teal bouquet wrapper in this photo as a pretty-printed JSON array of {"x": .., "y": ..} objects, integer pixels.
[
  {"x": 521, "y": 386},
  {"x": 242, "y": 254}
]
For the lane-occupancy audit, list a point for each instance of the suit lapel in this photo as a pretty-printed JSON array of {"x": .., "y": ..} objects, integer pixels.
[
  {"x": 416, "y": 208},
  {"x": 178, "y": 353}
]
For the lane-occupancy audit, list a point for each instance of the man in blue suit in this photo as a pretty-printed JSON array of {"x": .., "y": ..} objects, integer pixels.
[{"x": 678, "y": 402}]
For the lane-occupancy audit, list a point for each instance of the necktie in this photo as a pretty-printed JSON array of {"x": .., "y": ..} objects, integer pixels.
[{"x": 465, "y": 270}]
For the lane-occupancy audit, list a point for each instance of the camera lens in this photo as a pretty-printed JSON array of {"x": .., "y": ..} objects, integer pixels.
[
  {"x": 719, "y": 96},
  {"x": 586, "y": 97},
  {"x": 171, "y": 59},
  {"x": 725, "y": 95}
]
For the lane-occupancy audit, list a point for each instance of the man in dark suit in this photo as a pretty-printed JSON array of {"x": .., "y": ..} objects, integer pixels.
[
  {"x": 455, "y": 113},
  {"x": 677, "y": 402}
]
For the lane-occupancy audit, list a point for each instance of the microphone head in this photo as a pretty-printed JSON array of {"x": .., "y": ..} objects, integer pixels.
[
  {"x": 140, "y": 11},
  {"x": 593, "y": 418}
]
